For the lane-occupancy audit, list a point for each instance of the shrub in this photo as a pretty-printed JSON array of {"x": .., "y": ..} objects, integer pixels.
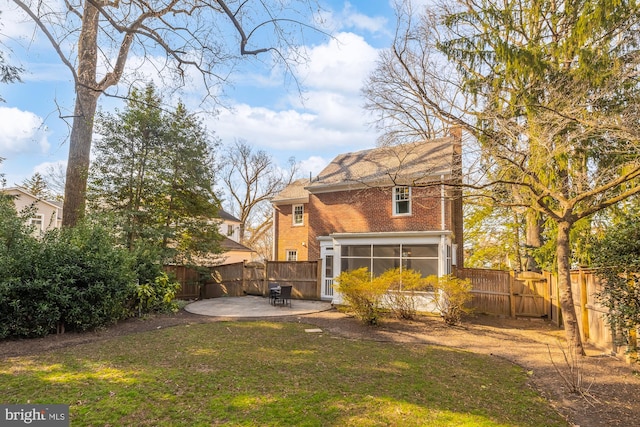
[
  {"x": 363, "y": 295},
  {"x": 156, "y": 296},
  {"x": 617, "y": 254},
  {"x": 92, "y": 271},
  {"x": 28, "y": 308},
  {"x": 401, "y": 289},
  {"x": 76, "y": 278},
  {"x": 452, "y": 295}
]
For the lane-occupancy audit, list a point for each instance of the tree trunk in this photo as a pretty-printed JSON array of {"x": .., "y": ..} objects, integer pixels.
[
  {"x": 570, "y": 319},
  {"x": 75, "y": 190},
  {"x": 533, "y": 239}
]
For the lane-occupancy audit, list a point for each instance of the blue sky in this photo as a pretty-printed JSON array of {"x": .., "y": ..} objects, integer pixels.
[{"x": 266, "y": 109}]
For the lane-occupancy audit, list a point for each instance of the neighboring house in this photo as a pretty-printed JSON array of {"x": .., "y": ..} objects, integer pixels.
[
  {"x": 47, "y": 215},
  {"x": 230, "y": 225},
  {"x": 233, "y": 250},
  {"x": 380, "y": 208}
]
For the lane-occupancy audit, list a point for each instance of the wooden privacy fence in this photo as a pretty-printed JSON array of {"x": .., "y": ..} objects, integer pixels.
[
  {"x": 302, "y": 275},
  {"x": 537, "y": 295},
  {"x": 241, "y": 279},
  {"x": 507, "y": 294}
]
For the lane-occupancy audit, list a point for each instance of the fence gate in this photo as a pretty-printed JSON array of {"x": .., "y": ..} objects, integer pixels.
[{"x": 531, "y": 295}]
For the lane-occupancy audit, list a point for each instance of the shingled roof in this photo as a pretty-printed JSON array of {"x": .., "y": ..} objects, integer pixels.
[
  {"x": 294, "y": 192},
  {"x": 406, "y": 164}
]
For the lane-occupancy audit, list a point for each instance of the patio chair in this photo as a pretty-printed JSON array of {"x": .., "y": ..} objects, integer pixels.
[
  {"x": 274, "y": 289},
  {"x": 284, "y": 297}
]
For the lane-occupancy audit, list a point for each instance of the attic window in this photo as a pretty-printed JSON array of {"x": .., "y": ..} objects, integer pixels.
[{"x": 402, "y": 201}]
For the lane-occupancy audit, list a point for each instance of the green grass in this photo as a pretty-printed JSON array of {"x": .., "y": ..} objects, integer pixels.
[{"x": 272, "y": 374}]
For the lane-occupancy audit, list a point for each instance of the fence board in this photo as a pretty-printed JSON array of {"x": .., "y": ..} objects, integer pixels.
[
  {"x": 541, "y": 297},
  {"x": 240, "y": 279},
  {"x": 491, "y": 292},
  {"x": 302, "y": 275}
]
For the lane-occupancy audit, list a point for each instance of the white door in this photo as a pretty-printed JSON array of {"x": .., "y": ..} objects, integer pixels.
[{"x": 327, "y": 273}]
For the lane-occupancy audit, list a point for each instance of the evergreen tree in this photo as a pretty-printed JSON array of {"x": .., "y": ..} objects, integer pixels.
[{"x": 154, "y": 173}]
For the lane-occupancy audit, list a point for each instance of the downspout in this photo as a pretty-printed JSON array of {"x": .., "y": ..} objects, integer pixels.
[
  {"x": 443, "y": 243},
  {"x": 442, "y": 199}
]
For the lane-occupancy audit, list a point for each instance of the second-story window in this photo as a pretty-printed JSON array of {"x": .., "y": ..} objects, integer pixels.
[
  {"x": 229, "y": 230},
  {"x": 298, "y": 214},
  {"x": 402, "y": 200},
  {"x": 37, "y": 222}
]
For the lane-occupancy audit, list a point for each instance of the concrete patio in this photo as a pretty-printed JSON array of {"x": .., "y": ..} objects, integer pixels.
[{"x": 253, "y": 306}]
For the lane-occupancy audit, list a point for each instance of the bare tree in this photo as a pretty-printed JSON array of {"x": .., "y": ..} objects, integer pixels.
[
  {"x": 95, "y": 38},
  {"x": 8, "y": 73},
  {"x": 414, "y": 92},
  {"x": 252, "y": 179},
  {"x": 55, "y": 176},
  {"x": 555, "y": 106}
]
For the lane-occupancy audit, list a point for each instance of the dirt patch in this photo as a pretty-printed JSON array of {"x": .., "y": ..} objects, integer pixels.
[{"x": 610, "y": 384}]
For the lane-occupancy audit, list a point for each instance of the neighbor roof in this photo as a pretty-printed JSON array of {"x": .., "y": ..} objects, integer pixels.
[
  {"x": 406, "y": 164},
  {"x": 222, "y": 214}
]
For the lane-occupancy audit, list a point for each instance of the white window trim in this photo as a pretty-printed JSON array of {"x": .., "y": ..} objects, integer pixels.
[
  {"x": 395, "y": 202},
  {"x": 293, "y": 215},
  {"x": 293, "y": 252},
  {"x": 37, "y": 220}
]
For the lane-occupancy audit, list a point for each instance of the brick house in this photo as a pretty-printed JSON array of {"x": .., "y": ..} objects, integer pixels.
[{"x": 381, "y": 208}]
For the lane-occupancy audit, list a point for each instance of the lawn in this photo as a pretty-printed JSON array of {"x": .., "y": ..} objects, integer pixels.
[{"x": 272, "y": 374}]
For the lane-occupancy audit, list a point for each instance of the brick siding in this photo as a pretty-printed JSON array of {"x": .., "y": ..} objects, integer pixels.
[
  {"x": 371, "y": 210},
  {"x": 291, "y": 237}
]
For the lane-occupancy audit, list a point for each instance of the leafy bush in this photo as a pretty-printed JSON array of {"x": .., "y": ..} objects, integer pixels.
[
  {"x": 95, "y": 275},
  {"x": 401, "y": 291},
  {"x": 28, "y": 308},
  {"x": 452, "y": 295},
  {"x": 617, "y": 254},
  {"x": 75, "y": 278},
  {"x": 157, "y": 296},
  {"x": 362, "y": 295}
]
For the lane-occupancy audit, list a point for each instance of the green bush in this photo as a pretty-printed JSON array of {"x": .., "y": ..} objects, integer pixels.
[
  {"x": 401, "y": 287},
  {"x": 96, "y": 275},
  {"x": 28, "y": 308},
  {"x": 157, "y": 296},
  {"x": 75, "y": 278},
  {"x": 363, "y": 295},
  {"x": 617, "y": 254},
  {"x": 451, "y": 296}
]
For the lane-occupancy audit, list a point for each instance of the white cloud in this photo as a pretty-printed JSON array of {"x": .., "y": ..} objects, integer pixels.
[
  {"x": 46, "y": 167},
  {"x": 328, "y": 120},
  {"x": 14, "y": 23},
  {"x": 342, "y": 64},
  {"x": 313, "y": 165},
  {"x": 350, "y": 19},
  {"x": 22, "y": 131},
  {"x": 353, "y": 19}
]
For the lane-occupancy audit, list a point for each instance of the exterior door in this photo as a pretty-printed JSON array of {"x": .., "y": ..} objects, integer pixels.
[{"x": 327, "y": 273}]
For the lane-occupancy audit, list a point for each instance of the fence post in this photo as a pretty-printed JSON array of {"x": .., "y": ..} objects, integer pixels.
[
  {"x": 512, "y": 297},
  {"x": 583, "y": 304},
  {"x": 244, "y": 277}
]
